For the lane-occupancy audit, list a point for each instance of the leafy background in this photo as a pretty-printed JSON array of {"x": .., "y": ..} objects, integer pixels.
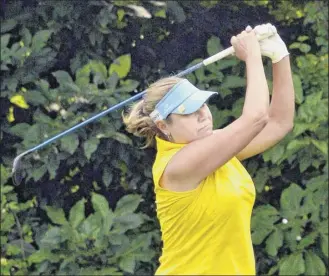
[{"x": 86, "y": 206}]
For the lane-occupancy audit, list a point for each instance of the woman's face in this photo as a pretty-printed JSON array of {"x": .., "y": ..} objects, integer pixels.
[{"x": 187, "y": 128}]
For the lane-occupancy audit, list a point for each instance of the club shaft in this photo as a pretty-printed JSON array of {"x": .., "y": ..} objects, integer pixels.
[
  {"x": 127, "y": 101},
  {"x": 103, "y": 113}
]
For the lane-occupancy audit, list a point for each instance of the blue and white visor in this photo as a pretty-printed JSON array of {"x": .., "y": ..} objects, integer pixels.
[{"x": 183, "y": 98}]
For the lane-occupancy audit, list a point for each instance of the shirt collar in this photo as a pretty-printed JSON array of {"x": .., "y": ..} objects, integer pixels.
[{"x": 163, "y": 145}]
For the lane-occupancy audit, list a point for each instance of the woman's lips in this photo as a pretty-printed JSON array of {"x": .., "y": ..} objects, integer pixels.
[{"x": 204, "y": 128}]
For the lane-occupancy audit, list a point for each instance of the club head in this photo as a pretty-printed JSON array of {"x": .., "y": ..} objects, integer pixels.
[{"x": 17, "y": 173}]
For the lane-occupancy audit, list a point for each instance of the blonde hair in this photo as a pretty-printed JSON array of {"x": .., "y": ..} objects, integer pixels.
[{"x": 137, "y": 119}]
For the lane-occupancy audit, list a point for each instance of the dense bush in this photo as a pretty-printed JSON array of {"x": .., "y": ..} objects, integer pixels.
[{"x": 86, "y": 205}]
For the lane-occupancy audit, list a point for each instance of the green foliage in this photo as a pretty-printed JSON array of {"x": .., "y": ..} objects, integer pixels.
[
  {"x": 16, "y": 235},
  {"x": 61, "y": 63},
  {"x": 103, "y": 242}
]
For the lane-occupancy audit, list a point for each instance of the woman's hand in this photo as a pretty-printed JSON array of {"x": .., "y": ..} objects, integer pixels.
[
  {"x": 273, "y": 46},
  {"x": 246, "y": 45}
]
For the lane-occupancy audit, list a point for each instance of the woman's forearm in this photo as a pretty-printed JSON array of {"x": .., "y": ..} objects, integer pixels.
[
  {"x": 282, "y": 107},
  {"x": 257, "y": 93}
]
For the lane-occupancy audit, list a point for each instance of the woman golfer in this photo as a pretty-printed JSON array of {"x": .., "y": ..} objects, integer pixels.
[{"x": 204, "y": 195}]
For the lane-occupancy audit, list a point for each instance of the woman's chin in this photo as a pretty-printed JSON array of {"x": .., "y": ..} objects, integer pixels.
[{"x": 206, "y": 133}]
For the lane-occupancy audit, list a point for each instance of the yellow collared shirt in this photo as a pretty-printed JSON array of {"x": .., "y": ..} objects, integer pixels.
[{"x": 205, "y": 231}]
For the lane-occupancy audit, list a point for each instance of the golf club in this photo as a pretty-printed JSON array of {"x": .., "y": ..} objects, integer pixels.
[{"x": 205, "y": 62}]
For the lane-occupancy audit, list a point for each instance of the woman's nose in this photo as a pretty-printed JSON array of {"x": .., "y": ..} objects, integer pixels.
[{"x": 202, "y": 112}]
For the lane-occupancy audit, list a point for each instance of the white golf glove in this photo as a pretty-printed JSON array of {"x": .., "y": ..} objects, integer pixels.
[{"x": 273, "y": 46}]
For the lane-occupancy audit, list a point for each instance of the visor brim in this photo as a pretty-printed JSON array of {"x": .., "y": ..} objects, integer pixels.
[{"x": 193, "y": 102}]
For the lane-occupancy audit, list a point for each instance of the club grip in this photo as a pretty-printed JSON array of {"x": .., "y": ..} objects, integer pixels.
[
  {"x": 218, "y": 56},
  {"x": 230, "y": 50}
]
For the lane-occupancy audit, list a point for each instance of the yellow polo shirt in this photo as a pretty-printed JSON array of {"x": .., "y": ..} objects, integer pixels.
[{"x": 205, "y": 231}]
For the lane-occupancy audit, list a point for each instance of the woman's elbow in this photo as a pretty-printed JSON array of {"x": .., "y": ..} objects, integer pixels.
[{"x": 287, "y": 127}]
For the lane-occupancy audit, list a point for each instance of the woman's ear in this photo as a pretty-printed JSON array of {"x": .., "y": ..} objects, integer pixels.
[{"x": 162, "y": 126}]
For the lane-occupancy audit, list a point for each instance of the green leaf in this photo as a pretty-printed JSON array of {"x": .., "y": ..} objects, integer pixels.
[
  {"x": 107, "y": 176},
  {"x": 305, "y": 48},
  {"x": 296, "y": 145},
  {"x": 262, "y": 222},
  {"x": 101, "y": 205},
  {"x": 72, "y": 87},
  {"x": 39, "y": 39},
  {"x": 307, "y": 240},
  {"x": 5, "y": 175},
  {"x": 161, "y": 13},
  {"x": 8, "y": 25},
  {"x": 42, "y": 255},
  {"x": 121, "y": 66},
  {"x": 213, "y": 45},
  {"x": 82, "y": 75},
  {"x": 39, "y": 172},
  {"x": 118, "y": 239},
  {"x": 274, "y": 242},
  {"x": 70, "y": 143},
  {"x": 5, "y": 189},
  {"x": 91, "y": 225},
  {"x": 127, "y": 86},
  {"x": 233, "y": 82},
  {"x": 293, "y": 265},
  {"x": 295, "y": 45},
  {"x": 35, "y": 97},
  {"x": 111, "y": 83},
  {"x": 260, "y": 234},
  {"x": 200, "y": 75},
  {"x": 321, "y": 145},
  {"x": 317, "y": 182},
  {"x": 56, "y": 215},
  {"x": 309, "y": 205},
  {"x": 62, "y": 77},
  {"x": 129, "y": 221},
  {"x": 26, "y": 36},
  {"x": 272, "y": 270},
  {"x": 226, "y": 63},
  {"x": 7, "y": 223},
  {"x": 314, "y": 264},
  {"x": 122, "y": 138},
  {"x": 103, "y": 271},
  {"x": 324, "y": 244},
  {"x": 90, "y": 146},
  {"x": 290, "y": 200},
  {"x": 99, "y": 70},
  {"x": 175, "y": 9},
  {"x": 142, "y": 241},
  {"x": 302, "y": 38},
  {"x": 299, "y": 96},
  {"x": 77, "y": 213},
  {"x": 52, "y": 238},
  {"x": 53, "y": 164},
  {"x": 220, "y": 117},
  {"x": 43, "y": 85},
  {"x": 4, "y": 40},
  {"x": 261, "y": 179},
  {"x": 32, "y": 136},
  {"x": 128, "y": 263},
  {"x": 266, "y": 211},
  {"x": 92, "y": 38},
  {"x": 127, "y": 204},
  {"x": 145, "y": 255},
  {"x": 300, "y": 127},
  {"x": 109, "y": 271}
]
